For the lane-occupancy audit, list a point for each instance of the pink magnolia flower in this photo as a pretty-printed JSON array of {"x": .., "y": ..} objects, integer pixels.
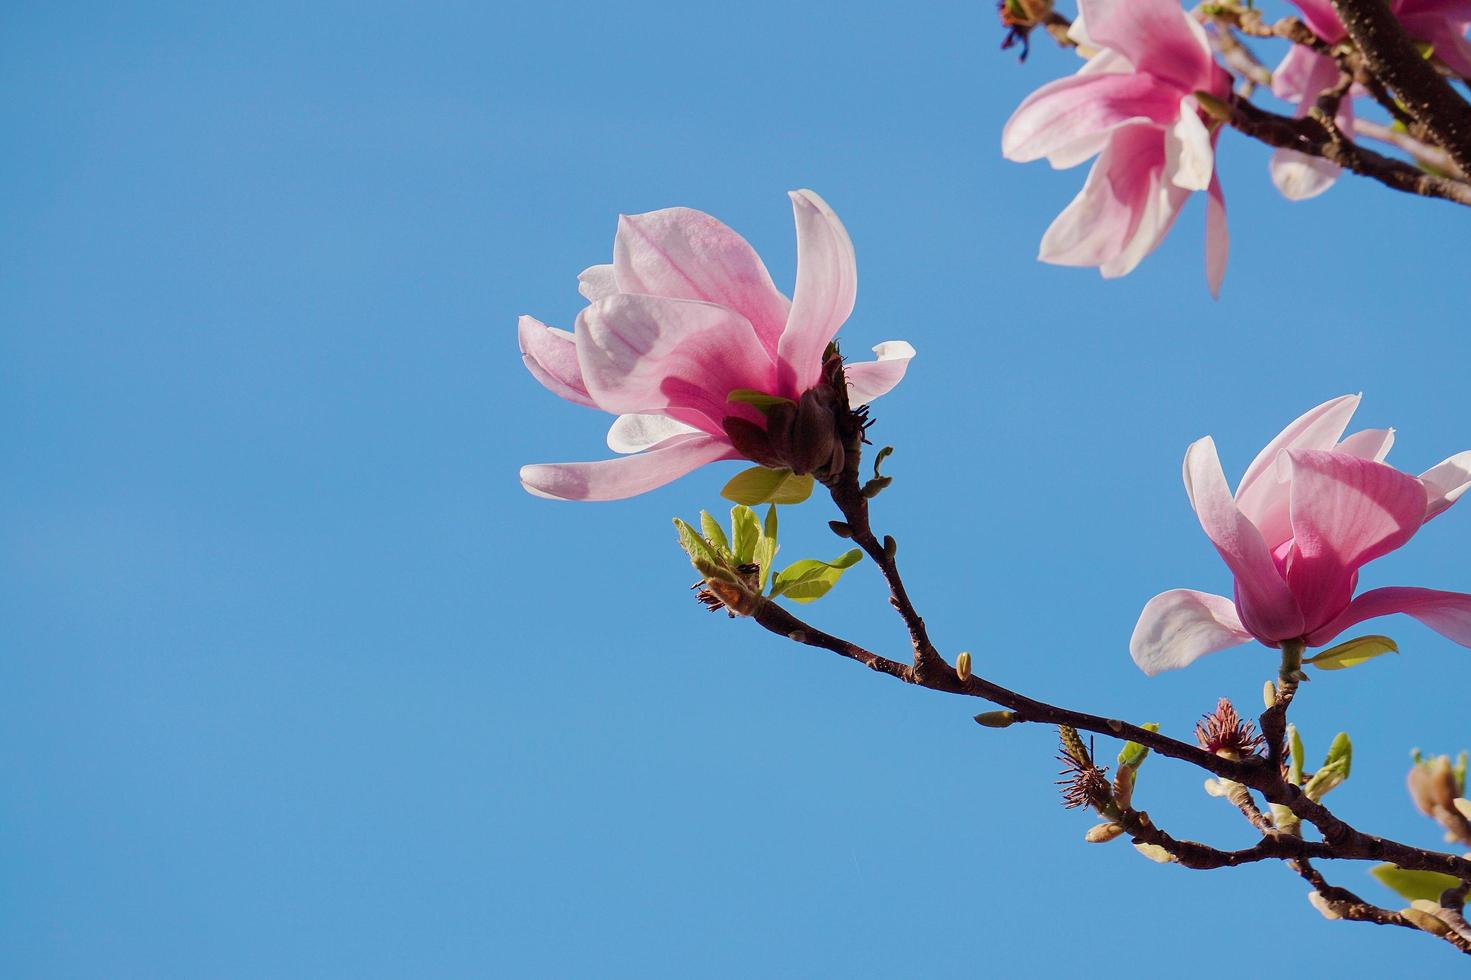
[
  {"x": 686, "y": 314},
  {"x": 1304, "y": 74},
  {"x": 1312, "y": 509},
  {"x": 1133, "y": 105}
]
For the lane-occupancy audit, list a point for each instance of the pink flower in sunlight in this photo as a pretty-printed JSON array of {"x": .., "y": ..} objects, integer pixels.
[
  {"x": 1133, "y": 105},
  {"x": 1312, "y": 509},
  {"x": 1304, "y": 74},
  {"x": 686, "y": 314}
]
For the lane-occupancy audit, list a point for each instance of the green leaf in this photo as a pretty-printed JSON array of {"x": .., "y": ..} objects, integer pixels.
[
  {"x": 758, "y": 485},
  {"x": 767, "y": 547},
  {"x": 1295, "y": 750},
  {"x": 1132, "y": 754},
  {"x": 693, "y": 545},
  {"x": 1427, "y": 885},
  {"x": 1340, "y": 752},
  {"x": 759, "y": 399},
  {"x": 713, "y": 532},
  {"x": 702, "y": 556},
  {"x": 809, "y": 579},
  {"x": 1352, "y": 653},
  {"x": 745, "y": 533},
  {"x": 1334, "y": 771}
]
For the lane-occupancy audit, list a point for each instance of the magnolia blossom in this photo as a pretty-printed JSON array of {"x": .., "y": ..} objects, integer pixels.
[
  {"x": 1133, "y": 105},
  {"x": 685, "y": 315},
  {"x": 1312, "y": 509},
  {"x": 1304, "y": 74}
]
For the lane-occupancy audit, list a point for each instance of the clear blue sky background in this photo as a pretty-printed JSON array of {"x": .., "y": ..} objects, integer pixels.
[{"x": 295, "y": 679}]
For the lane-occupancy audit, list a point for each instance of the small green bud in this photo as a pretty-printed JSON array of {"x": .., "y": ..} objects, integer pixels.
[
  {"x": 996, "y": 719},
  {"x": 1103, "y": 833},
  {"x": 891, "y": 547},
  {"x": 1286, "y": 821},
  {"x": 1132, "y": 755},
  {"x": 841, "y": 529},
  {"x": 1213, "y": 107}
]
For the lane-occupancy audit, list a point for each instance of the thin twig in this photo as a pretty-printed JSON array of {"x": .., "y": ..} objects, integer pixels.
[{"x": 1431, "y": 157}]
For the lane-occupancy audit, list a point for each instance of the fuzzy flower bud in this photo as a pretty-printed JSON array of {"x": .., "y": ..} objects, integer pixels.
[
  {"x": 1103, "y": 833},
  {"x": 1433, "y": 785}
]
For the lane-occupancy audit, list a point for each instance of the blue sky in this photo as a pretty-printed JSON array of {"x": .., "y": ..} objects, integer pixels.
[{"x": 295, "y": 679}]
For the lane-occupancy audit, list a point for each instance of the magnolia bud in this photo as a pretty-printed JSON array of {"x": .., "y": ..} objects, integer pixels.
[
  {"x": 1269, "y": 697},
  {"x": 1432, "y": 785},
  {"x": 1155, "y": 853},
  {"x": 1323, "y": 905},
  {"x": 996, "y": 719},
  {"x": 1424, "y": 920},
  {"x": 1123, "y": 786},
  {"x": 962, "y": 666},
  {"x": 1103, "y": 833}
]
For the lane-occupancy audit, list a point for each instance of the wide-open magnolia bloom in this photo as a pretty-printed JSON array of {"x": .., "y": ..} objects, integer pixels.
[
  {"x": 1312, "y": 509},
  {"x": 686, "y": 314},
  {"x": 1133, "y": 105},
  {"x": 1304, "y": 74}
]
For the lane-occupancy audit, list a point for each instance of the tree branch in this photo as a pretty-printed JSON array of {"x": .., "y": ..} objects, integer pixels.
[
  {"x": 1309, "y": 136},
  {"x": 1391, "y": 55}
]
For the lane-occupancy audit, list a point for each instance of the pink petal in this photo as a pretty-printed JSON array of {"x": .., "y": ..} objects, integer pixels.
[
  {"x": 1262, "y": 494},
  {"x": 614, "y": 479},
  {"x": 1302, "y": 74},
  {"x": 1263, "y": 600},
  {"x": 1161, "y": 207},
  {"x": 551, "y": 357},
  {"x": 1180, "y": 626},
  {"x": 1441, "y": 24},
  {"x": 635, "y": 433},
  {"x": 1448, "y": 613},
  {"x": 1345, "y": 512},
  {"x": 1190, "y": 153},
  {"x": 1306, "y": 75},
  {"x": 1217, "y": 238},
  {"x": 1121, "y": 190},
  {"x": 1156, "y": 35},
  {"x": 1446, "y": 11},
  {"x": 1321, "y": 19},
  {"x": 597, "y": 282},
  {"x": 827, "y": 287},
  {"x": 1372, "y": 444},
  {"x": 1299, "y": 176},
  {"x": 649, "y": 355},
  {"x": 869, "y": 379},
  {"x": 1065, "y": 119},
  {"x": 1445, "y": 482},
  {"x": 680, "y": 253}
]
